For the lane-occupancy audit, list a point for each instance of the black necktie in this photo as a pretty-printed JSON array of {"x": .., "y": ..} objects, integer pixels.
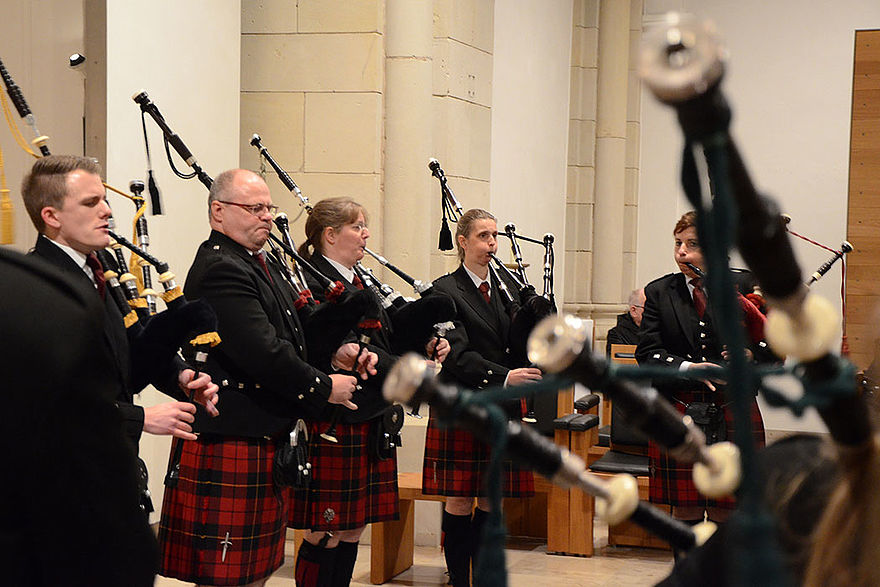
[{"x": 98, "y": 272}]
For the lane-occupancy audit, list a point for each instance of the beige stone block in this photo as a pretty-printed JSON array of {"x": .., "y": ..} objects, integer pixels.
[
  {"x": 631, "y": 187},
  {"x": 584, "y": 47},
  {"x": 581, "y": 143},
  {"x": 633, "y": 97},
  {"x": 340, "y": 16},
  {"x": 442, "y": 262},
  {"x": 587, "y": 92},
  {"x": 462, "y": 72},
  {"x": 578, "y": 227},
  {"x": 343, "y": 133},
  {"x": 312, "y": 63},
  {"x": 630, "y": 229},
  {"x": 632, "y": 144},
  {"x": 580, "y": 184},
  {"x": 636, "y": 9},
  {"x": 577, "y": 276},
  {"x": 628, "y": 275},
  {"x": 278, "y": 119},
  {"x": 635, "y": 39},
  {"x": 586, "y": 13},
  {"x": 268, "y": 16},
  {"x": 470, "y": 21},
  {"x": 462, "y": 135}
]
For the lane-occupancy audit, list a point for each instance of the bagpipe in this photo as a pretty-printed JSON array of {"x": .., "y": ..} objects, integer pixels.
[
  {"x": 683, "y": 63},
  {"x": 524, "y": 306},
  {"x": 152, "y": 334},
  {"x": 412, "y": 322}
]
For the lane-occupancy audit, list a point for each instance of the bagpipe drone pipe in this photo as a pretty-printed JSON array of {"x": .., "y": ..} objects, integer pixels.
[
  {"x": 683, "y": 62},
  {"x": 411, "y": 323}
]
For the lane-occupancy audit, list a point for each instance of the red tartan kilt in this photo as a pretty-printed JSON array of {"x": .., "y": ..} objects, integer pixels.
[
  {"x": 456, "y": 465},
  {"x": 672, "y": 482},
  {"x": 225, "y": 487},
  {"x": 350, "y": 487}
]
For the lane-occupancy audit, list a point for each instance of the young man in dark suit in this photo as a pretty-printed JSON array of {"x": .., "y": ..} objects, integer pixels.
[
  {"x": 678, "y": 332},
  {"x": 66, "y": 201}
]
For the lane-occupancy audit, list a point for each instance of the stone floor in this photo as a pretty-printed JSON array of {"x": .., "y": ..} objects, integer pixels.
[{"x": 528, "y": 565}]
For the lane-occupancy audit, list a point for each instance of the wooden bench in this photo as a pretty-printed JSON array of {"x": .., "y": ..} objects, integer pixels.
[{"x": 391, "y": 547}]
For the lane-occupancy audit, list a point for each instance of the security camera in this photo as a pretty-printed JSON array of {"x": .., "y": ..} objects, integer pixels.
[{"x": 76, "y": 60}]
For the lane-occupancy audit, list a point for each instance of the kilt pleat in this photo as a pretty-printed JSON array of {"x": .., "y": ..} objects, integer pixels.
[
  {"x": 350, "y": 487},
  {"x": 671, "y": 482},
  {"x": 224, "y": 522},
  {"x": 456, "y": 465}
]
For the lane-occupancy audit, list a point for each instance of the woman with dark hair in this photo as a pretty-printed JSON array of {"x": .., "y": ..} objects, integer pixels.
[
  {"x": 455, "y": 462},
  {"x": 352, "y": 485}
]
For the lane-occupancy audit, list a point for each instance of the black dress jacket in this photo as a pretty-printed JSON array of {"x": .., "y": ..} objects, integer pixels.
[
  {"x": 261, "y": 364},
  {"x": 369, "y": 398},
  {"x": 69, "y": 508},
  {"x": 480, "y": 354},
  {"x": 163, "y": 376}
]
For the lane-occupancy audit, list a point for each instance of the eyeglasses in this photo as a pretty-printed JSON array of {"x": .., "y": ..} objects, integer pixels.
[
  {"x": 360, "y": 227},
  {"x": 255, "y": 209}
]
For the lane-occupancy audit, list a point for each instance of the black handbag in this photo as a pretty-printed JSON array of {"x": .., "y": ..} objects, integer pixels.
[
  {"x": 385, "y": 432},
  {"x": 709, "y": 417},
  {"x": 291, "y": 467}
]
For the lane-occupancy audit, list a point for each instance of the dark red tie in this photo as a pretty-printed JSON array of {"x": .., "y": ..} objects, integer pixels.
[
  {"x": 484, "y": 289},
  {"x": 98, "y": 272},
  {"x": 699, "y": 296},
  {"x": 357, "y": 282},
  {"x": 261, "y": 259}
]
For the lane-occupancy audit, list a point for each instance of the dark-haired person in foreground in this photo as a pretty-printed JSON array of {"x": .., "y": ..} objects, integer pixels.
[{"x": 69, "y": 504}]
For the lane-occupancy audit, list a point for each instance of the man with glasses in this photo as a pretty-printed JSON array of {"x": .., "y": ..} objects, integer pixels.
[
  {"x": 627, "y": 329},
  {"x": 224, "y": 522}
]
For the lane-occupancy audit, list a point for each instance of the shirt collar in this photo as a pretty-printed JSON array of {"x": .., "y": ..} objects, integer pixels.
[
  {"x": 476, "y": 279},
  {"x": 77, "y": 257},
  {"x": 346, "y": 272}
]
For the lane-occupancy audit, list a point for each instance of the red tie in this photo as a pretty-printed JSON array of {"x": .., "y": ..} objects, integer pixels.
[
  {"x": 98, "y": 272},
  {"x": 484, "y": 289},
  {"x": 357, "y": 282},
  {"x": 262, "y": 261},
  {"x": 699, "y": 296}
]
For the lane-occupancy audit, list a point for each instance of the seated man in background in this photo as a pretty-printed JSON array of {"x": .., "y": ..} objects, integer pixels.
[{"x": 628, "y": 323}]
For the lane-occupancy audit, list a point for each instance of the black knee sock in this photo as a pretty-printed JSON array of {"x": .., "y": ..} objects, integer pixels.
[
  {"x": 457, "y": 547},
  {"x": 346, "y": 556},
  {"x": 314, "y": 565},
  {"x": 480, "y": 517}
]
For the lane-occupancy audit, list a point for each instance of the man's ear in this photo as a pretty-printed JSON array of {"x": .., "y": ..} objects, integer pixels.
[
  {"x": 49, "y": 214},
  {"x": 216, "y": 209}
]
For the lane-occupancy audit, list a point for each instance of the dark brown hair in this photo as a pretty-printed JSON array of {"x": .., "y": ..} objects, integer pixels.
[
  {"x": 333, "y": 212},
  {"x": 687, "y": 220},
  {"x": 46, "y": 183}
]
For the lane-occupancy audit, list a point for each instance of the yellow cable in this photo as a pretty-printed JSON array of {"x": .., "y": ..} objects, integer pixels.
[
  {"x": 16, "y": 132},
  {"x": 135, "y": 262},
  {"x": 7, "y": 214}
]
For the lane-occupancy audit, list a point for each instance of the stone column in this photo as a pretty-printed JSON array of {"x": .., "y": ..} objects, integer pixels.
[
  {"x": 611, "y": 146},
  {"x": 408, "y": 137}
]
